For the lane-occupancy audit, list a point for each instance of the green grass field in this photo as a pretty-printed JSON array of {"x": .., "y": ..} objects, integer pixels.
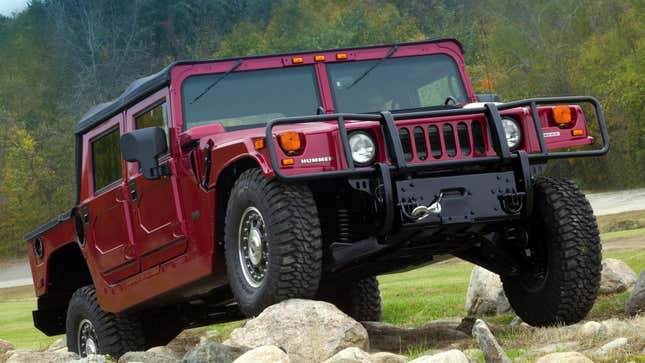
[{"x": 410, "y": 299}]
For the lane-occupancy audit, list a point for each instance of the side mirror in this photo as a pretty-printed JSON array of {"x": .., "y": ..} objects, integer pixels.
[
  {"x": 488, "y": 97},
  {"x": 145, "y": 146}
]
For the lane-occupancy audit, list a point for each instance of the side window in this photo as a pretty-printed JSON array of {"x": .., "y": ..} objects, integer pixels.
[
  {"x": 154, "y": 117},
  {"x": 106, "y": 159}
]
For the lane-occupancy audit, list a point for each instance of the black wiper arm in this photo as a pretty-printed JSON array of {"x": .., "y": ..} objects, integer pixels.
[
  {"x": 210, "y": 86},
  {"x": 388, "y": 55}
]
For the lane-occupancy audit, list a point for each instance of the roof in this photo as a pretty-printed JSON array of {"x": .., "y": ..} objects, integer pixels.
[
  {"x": 137, "y": 89},
  {"x": 147, "y": 85}
]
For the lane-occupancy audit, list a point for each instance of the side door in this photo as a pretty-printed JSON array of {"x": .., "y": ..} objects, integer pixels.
[
  {"x": 157, "y": 231},
  {"x": 105, "y": 207}
]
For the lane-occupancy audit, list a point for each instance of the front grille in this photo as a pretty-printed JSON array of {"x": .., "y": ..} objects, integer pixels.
[{"x": 447, "y": 140}]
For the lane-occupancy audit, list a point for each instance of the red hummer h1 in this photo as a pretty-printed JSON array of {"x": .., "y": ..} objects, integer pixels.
[{"x": 213, "y": 189}]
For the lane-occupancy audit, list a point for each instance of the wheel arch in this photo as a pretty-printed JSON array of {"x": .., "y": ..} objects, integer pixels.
[
  {"x": 67, "y": 271},
  {"x": 223, "y": 185}
]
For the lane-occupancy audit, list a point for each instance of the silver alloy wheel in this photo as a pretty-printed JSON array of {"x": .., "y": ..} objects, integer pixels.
[
  {"x": 86, "y": 340},
  {"x": 253, "y": 247}
]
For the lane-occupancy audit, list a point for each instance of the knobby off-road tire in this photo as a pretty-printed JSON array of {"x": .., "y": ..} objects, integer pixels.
[
  {"x": 566, "y": 229},
  {"x": 113, "y": 334},
  {"x": 359, "y": 299},
  {"x": 284, "y": 218}
]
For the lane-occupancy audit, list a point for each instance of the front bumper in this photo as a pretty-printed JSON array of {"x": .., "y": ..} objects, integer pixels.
[
  {"x": 460, "y": 199},
  {"x": 504, "y": 193}
]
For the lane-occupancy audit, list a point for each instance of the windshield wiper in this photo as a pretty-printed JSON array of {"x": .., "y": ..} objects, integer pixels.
[
  {"x": 388, "y": 55},
  {"x": 207, "y": 89}
]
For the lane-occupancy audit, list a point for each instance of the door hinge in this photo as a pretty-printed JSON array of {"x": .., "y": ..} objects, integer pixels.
[{"x": 85, "y": 214}]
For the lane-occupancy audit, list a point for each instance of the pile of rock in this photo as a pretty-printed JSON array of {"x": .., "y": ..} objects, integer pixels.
[
  {"x": 636, "y": 302},
  {"x": 296, "y": 331},
  {"x": 616, "y": 276},
  {"x": 485, "y": 294}
]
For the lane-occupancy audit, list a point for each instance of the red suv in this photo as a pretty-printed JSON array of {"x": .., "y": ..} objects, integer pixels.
[{"x": 213, "y": 189}]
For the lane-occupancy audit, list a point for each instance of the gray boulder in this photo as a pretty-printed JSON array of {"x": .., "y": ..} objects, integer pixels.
[
  {"x": 636, "y": 301},
  {"x": 612, "y": 346},
  {"x": 148, "y": 357},
  {"x": 91, "y": 358},
  {"x": 451, "y": 356},
  {"x": 57, "y": 345},
  {"x": 264, "y": 354},
  {"x": 214, "y": 353},
  {"x": 5, "y": 347},
  {"x": 350, "y": 355},
  {"x": 591, "y": 329},
  {"x": 307, "y": 330},
  {"x": 164, "y": 350},
  {"x": 21, "y": 356},
  {"x": 616, "y": 276},
  {"x": 385, "y": 357},
  {"x": 392, "y": 338},
  {"x": 493, "y": 352},
  {"x": 485, "y": 294},
  {"x": 569, "y": 357}
]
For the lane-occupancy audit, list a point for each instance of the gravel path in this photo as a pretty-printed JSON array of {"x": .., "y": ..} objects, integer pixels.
[{"x": 18, "y": 273}]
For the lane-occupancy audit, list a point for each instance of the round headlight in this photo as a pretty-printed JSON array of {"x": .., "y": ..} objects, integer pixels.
[
  {"x": 362, "y": 147},
  {"x": 513, "y": 132}
]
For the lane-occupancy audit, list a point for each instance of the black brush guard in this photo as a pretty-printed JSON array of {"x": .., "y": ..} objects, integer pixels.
[{"x": 398, "y": 164}]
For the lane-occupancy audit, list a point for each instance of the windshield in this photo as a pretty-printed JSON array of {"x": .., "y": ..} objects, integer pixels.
[
  {"x": 396, "y": 84},
  {"x": 250, "y": 98}
]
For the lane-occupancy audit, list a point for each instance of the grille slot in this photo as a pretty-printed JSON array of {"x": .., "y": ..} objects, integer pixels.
[
  {"x": 464, "y": 138},
  {"x": 478, "y": 137},
  {"x": 449, "y": 140},
  {"x": 453, "y": 139},
  {"x": 420, "y": 143},
  {"x": 406, "y": 143},
  {"x": 435, "y": 141}
]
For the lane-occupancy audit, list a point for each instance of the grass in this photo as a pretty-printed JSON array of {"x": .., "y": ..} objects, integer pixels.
[
  {"x": 16, "y": 324},
  {"x": 621, "y": 221},
  {"x": 610, "y": 236}
]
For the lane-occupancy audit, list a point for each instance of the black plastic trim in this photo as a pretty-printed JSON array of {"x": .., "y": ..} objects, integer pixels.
[{"x": 63, "y": 217}]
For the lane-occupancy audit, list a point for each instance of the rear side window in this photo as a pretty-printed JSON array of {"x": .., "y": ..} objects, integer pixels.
[
  {"x": 154, "y": 117},
  {"x": 106, "y": 159}
]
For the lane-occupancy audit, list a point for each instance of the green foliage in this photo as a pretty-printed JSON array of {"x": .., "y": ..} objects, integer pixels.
[{"x": 59, "y": 57}]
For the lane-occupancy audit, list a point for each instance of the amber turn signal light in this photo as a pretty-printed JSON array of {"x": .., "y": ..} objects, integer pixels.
[
  {"x": 577, "y": 132},
  {"x": 258, "y": 143},
  {"x": 290, "y": 142},
  {"x": 288, "y": 162},
  {"x": 562, "y": 115}
]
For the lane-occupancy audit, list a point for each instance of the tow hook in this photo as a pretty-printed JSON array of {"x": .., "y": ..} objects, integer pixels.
[
  {"x": 512, "y": 202},
  {"x": 421, "y": 212}
]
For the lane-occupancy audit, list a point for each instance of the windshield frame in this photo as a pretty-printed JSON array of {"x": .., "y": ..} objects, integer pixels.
[
  {"x": 180, "y": 70},
  {"x": 460, "y": 72}
]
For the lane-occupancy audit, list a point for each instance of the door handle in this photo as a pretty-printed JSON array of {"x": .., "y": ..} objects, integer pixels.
[{"x": 132, "y": 187}]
